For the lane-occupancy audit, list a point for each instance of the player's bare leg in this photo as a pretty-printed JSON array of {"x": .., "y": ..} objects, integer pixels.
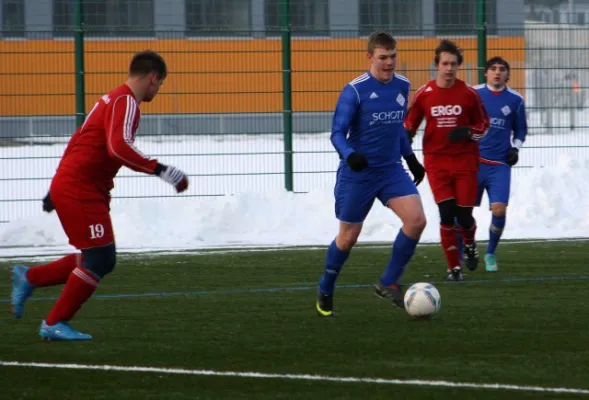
[
  {"x": 337, "y": 254},
  {"x": 410, "y": 210},
  {"x": 347, "y": 236},
  {"x": 498, "y": 211}
]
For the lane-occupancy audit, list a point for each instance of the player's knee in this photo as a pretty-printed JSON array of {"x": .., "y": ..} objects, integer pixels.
[
  {"x": 499, "y": 209},
  {"x": 447, "y": 211},
  {"x": 464, "y": 217},
  {"x": 348, "y": 236},
  {"x": 100, "y": 261},
  {"x": 416, "y": 223}
]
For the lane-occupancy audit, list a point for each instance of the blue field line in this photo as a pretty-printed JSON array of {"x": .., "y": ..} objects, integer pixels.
[{"x": 303, "y": 288}]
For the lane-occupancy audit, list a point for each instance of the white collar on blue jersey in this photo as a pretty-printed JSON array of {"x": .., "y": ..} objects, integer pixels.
[{"x": 493, "y": 89}]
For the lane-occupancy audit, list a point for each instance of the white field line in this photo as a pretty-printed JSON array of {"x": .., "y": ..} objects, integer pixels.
[{"x": 302, "y": 377}]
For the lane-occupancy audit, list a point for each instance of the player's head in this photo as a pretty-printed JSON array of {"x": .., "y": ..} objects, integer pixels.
[
  {"x": 448, "y": 59},
  {"x": 382, "y": 53},
  {"x": 497, "y": 72},
  {"x": 149, "y": 70}
]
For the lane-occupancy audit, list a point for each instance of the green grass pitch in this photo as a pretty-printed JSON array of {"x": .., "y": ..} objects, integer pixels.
[{"x": 253, "y": 311}]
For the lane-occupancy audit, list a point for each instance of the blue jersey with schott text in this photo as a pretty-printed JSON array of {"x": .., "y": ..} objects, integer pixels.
[
  {"x": 507, "y": 112},
  {"x": 369, "y": 117}
]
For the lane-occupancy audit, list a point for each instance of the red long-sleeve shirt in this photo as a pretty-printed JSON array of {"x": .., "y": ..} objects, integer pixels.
[
  {"x": 443, "y": 110},
  {"x": 101, "y": 146}
]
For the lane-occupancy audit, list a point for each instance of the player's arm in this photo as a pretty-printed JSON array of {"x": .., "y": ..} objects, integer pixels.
[
  {"x": 520, "y": 129},
  {"x": 347, "y": 106},
  {"x": 415, "y": 114},
  {"x": 120, "y": 139},
  {"x": 417, "y": 170},
  {"x": 478, "y": 118}
]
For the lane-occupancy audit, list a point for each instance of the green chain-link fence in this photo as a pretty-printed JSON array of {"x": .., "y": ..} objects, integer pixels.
[{"x": 252, "y": 85}]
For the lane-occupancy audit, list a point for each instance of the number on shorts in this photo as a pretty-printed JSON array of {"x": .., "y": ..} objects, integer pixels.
[{"x": 96, "y": 231}]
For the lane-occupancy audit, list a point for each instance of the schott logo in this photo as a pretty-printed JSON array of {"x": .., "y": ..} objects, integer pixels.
[
  {"x": 498, "y": 122},
  {"x": 387, "y": 117}
]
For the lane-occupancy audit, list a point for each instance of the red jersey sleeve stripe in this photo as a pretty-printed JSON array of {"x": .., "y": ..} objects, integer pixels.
[
  {"x": 129, "y": 119},
  {"x": 134, "y": 159}
]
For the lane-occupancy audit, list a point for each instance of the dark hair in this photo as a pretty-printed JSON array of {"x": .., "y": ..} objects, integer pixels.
[
  {"x": 148, "y": 61},
  {"x": 448, "y": 46},
  {"x": 496, "y": 60},
  {"x": 381, "y": 39}
]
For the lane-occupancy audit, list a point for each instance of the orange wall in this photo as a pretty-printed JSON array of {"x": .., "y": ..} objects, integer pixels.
[{"x": 214, "y": 76}]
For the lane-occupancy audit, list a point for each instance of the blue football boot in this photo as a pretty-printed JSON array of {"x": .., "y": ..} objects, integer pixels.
[
  {"x": 21, "y": 290},
  {"x": 61, "y": 331}
]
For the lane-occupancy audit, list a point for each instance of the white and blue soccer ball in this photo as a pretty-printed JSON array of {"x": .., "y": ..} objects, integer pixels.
[{"x": 422, "y": 300}]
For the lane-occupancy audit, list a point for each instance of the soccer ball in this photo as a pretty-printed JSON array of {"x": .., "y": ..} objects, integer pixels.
[{"x": 422, "y": 300}]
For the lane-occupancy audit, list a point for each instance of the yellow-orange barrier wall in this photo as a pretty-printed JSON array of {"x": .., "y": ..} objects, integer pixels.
[{"x": 214, "y": 76}]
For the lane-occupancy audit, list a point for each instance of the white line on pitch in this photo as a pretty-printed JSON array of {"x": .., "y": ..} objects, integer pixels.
[
  {"x": 302, "y": 377},
  {"x": 138, "y": 253}
]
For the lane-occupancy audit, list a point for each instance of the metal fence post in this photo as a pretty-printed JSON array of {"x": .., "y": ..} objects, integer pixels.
[
  {"x": 287, "y": 93},
  {"x": 481, "y": 39}
]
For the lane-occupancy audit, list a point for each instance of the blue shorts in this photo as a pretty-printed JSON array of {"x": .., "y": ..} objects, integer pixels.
[
  {"x": 496, "y": 180},
  {"x": 355, "y": 191}
]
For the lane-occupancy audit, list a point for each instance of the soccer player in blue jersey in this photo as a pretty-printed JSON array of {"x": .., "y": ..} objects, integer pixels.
[
  {"x": 370, "y": 139},
  {"x": 499, "y": 149}
]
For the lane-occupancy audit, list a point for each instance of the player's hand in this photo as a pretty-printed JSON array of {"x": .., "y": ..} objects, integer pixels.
[
  {"x": 416, "y": 169},
  {"x": 512, "y": 156},
  {"x": 48, "y": 205},
  {"x": 459, "y": 134},
  {"x": 173, "y": 176},
  {"x": 357, "y": 161}
]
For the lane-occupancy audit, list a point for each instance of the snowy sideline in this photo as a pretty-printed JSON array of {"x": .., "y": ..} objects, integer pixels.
[{"x": 546, "y": 203}]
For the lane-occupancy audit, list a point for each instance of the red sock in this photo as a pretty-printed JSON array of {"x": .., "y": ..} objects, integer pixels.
[
  {"x": 54, "y": 273},
  {"x": 450, "y": 245},
  {"x": 468, "y": 234},
  {"x": 79, "y": 287}
]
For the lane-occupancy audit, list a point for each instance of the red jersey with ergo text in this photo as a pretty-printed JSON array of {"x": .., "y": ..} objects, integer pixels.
[
  {"x": 99, "y": 148},
  {"x": 443, "y": 109}
]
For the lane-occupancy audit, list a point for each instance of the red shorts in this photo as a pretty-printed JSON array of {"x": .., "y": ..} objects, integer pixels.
[
  {"x": 461, "y": 185},
  {"x": 86, "y": 223}
]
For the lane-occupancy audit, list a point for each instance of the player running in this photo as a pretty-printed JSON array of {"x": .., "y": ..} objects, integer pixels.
[
  {"x": 368, "y": 134},
  {"x": 498, "y": 153},
  {"x": 455, "y": 120},
  {"x": 80, "y": 195}
]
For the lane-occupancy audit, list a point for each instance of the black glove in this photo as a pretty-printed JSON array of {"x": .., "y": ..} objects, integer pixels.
[
  {"x": 459, "y": 134},
  {"x": 416, "y": 169},
  {"x": 512, "y": 156},
  {"x": 357, "y": 161},
  {"x": 48, "y": 203},
  {"x": 410, "y": 137}
]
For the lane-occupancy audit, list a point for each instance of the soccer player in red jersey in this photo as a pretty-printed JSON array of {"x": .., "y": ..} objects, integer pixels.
[
  {"x": 455, "y": 119},
  {"x": 80, "y": 195}
]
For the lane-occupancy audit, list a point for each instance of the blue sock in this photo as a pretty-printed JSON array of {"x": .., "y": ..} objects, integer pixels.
[
  {"x": 403, "y": 250},
  {"x": 495, "y": 231},
  {"x": 333, "y": 264}
]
